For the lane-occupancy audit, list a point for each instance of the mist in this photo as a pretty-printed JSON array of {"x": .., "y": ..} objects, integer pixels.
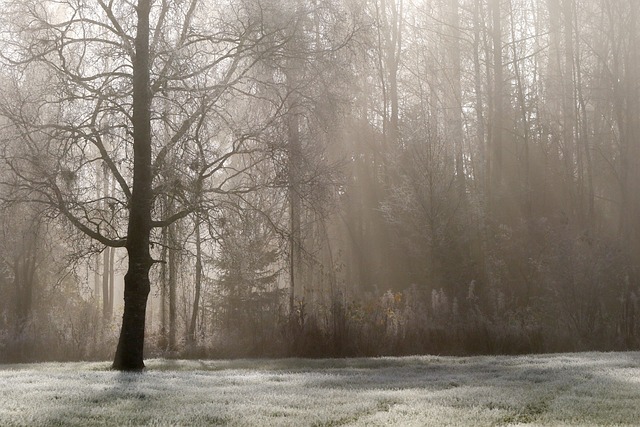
[{"x": 330, "y": 178}]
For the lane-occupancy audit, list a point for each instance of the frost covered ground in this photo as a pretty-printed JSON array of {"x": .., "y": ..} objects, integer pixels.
[{"x": 564, "y": 389}]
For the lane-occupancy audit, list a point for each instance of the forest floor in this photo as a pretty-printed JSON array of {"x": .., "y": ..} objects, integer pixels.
[{"x": 553, "y": 390}]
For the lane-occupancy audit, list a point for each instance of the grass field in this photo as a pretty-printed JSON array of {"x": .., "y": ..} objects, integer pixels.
[{"x": 562, "y": 389}]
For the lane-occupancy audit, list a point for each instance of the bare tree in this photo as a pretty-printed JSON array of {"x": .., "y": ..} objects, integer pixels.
[{"x": 113, "y": 63}]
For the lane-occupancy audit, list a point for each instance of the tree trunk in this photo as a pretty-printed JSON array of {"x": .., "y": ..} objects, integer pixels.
[
  {"x": 569, "y": 105},
  {"x": 96, "y": 281},
  {"x": 454, "y": 97},
  {"x": 129, "y": 354},
  {"x": 480, "y": 170},
  {"x": 498, "y": 102},
  {"x": 295, "y": 203},
  {"x": 394, "y": 43},
  {"x": 97, "y": 286},
  {"x": 112, "y": 274},
  {"x": 163, "y": 289},
  {"x": 108, "y": 255},
  {"x": 173, "y": 278},
  {"x": 24, "y": 275},
  {"x": 196, "y": 299},
  {"x": 584, "y": 130},
  {"x": 522, "y": 104}
]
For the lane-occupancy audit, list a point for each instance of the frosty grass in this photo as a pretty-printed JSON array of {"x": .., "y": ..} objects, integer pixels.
[{"x": 553, "y": 390}]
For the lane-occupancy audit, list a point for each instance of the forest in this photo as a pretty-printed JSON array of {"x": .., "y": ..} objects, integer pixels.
[{"x": 318, "y": 178}]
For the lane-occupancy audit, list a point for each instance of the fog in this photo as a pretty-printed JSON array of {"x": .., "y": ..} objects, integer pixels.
[{"x": 327, "y": 178}]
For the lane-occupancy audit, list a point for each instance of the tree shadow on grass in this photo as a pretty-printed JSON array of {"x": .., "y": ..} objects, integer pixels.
[
  {"x": 111, "y": 394},
  {"x": 591, "y": 389}
]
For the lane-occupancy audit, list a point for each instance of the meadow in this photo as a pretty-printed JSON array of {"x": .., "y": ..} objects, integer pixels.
[{"x": 546, "y": 390}]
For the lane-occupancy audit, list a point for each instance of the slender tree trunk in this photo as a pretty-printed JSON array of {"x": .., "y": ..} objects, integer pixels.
[
  {"x": 173, "y": 279},
  {"x": 25, "y": 275},
  {"x": 198, "y": 284},
  {"x": 479, "y": 171},
  {"x": 454, "y": 98},
  {"x": 381, "y": 24},
  {"x": 497, "y": 98},
  {"x": 569, "y": 104},
  {"x": 521, "y": 97},
  {"x": 96, "y": 281},
  {"x": 295, "y": 203},
  {"x": 106, "y": 254},
  {"x": 106, "y": 257},
  {"x": 394, "y": 44},
  {"x": 584, "y": 130},
  {"x": 112, "y": 256},
  {"x": 130, "y": 352},
  {"x": 163, "y": 289},
  {"x": 97, "y": 285}
]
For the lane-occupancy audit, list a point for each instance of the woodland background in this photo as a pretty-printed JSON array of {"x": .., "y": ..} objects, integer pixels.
[{"x": 383, "y": 177}]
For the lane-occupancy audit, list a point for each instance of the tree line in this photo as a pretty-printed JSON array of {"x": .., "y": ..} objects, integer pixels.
[{"x": 318, "y": 178}]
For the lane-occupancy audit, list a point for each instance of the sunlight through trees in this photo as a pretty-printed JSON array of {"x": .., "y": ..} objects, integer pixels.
[{"x": 318, "y": 178}]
